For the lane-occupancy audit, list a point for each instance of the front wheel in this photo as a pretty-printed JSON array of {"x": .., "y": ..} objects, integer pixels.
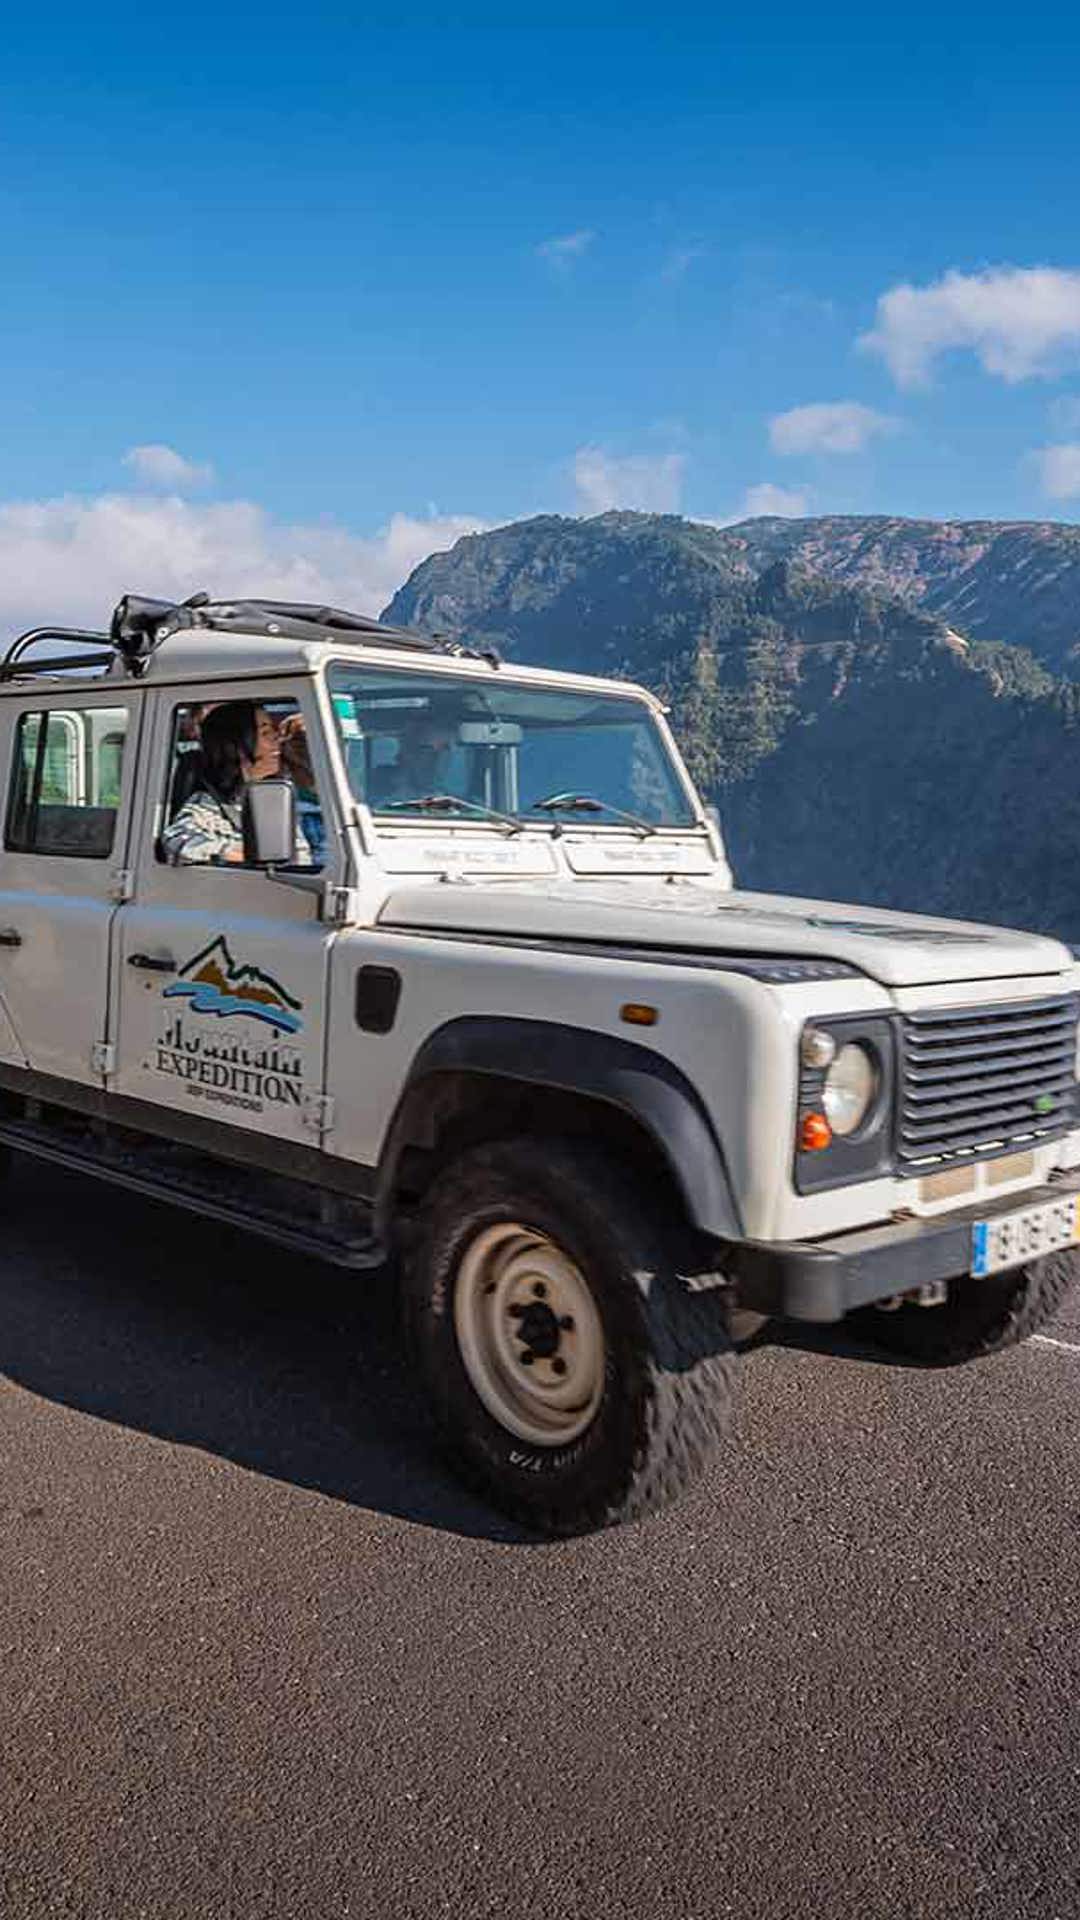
[
  {"x": 979, "y": 1317},
  {"x": 575, "y": 1378}
]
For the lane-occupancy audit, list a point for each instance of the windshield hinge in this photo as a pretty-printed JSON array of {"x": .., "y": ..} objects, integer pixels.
[
  {"x": 340, "y": 905},
  {"x": 122, "y": 883},
  {"x": 319, "y": 1112},
  {"x": 103, "y": 1057}
]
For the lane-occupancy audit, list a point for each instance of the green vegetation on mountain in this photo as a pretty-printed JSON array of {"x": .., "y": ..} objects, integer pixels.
[
  {"x": 860, "y": 745},
  {"x": 1017, "y": 581}
]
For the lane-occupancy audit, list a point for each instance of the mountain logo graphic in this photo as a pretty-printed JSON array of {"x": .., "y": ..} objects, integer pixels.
[{"x": 213, "y": 983}]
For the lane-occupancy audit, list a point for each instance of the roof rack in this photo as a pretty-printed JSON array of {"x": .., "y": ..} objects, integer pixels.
[
  {"x": 14, "y": 664},
  {"x": 139, "y": 626}
]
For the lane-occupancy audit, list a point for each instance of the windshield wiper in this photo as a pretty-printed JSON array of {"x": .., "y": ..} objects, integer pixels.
[
  {"x": 451, "y": 803},
  {"x": 587, "y": 803}
]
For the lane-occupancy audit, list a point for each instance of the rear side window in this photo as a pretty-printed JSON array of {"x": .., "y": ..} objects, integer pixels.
[{"x": 65, "y": 782}]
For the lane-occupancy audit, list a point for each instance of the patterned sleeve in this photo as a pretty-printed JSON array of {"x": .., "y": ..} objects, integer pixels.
[{"x": 202, "y": 831}]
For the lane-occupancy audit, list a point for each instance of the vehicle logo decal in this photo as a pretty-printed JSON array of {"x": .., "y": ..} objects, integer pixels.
[
  {"x": 215, "y": 984},
  {"x": 228, "y": 1071}
]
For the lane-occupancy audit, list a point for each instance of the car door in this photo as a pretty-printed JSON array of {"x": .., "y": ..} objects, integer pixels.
[
  {"x": 68, "y": 781},
  {"x": 221, "y": 971}
]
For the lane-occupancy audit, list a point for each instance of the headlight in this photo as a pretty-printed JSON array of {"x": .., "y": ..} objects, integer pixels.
[
  {"x": 851, "y": 1088},
  {"x": 847, "y": 1074}
]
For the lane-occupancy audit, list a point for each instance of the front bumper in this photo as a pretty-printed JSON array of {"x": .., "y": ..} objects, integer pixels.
[{"x": 824, "y": 1279}]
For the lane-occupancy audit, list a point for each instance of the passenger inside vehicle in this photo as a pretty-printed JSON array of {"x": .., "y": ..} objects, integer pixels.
[
  {"x": 420, "y": 768},
  {"x": 239, "y": 742}
]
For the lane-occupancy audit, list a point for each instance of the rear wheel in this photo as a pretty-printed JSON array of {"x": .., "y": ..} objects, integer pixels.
[
  {"x": 575, "y": 1377},
  {"x": 979, "y": 1317}
]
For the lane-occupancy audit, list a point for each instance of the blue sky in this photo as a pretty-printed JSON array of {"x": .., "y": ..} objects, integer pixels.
[{"x": 371, "y": 275}]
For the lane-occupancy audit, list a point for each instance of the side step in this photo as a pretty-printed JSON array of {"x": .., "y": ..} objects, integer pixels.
[{"x": 306, "y": 1219}]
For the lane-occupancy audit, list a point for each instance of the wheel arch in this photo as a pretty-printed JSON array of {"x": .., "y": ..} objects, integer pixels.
[{"x": 479, "y": 1075}]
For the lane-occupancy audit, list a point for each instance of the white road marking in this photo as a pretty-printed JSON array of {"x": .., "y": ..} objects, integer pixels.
[{"x": 1044, "y": 1340}]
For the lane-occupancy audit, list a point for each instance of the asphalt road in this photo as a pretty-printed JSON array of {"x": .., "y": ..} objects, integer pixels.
[{"x": 259, "y": 1656}]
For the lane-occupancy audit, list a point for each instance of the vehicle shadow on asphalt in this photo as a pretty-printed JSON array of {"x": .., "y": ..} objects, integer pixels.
[
  {"x": 834, "y": 1341},
  {"x": 144, "y": 1315}
]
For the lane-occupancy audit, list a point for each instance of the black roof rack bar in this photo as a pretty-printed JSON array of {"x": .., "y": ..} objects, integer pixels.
[
  {"x": 341, "y": 621},
  {"x": 139, "y": 626},
  {"x": 56, "y": 663},
  {"x": 14, "y": 662},
  {"x": 294, "y": 619}
]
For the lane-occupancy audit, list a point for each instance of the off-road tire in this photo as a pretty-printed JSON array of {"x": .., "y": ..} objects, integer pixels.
[
  {"x": 670, "y": 1368},
  {"x": 980, "y": 1317}
]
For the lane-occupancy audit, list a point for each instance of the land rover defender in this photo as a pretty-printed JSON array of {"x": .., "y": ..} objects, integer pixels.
[{"x": 475, "y": 1000}]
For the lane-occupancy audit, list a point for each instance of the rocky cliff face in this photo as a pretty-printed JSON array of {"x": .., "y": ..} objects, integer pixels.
[
  {"x": 1015, "y": 581},
  {"x": 830, "y": 684}
]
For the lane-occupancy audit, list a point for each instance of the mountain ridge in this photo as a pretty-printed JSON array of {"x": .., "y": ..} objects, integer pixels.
[
  {"x": 861, "y": 744},
  {"x": 1012, "y": 580}
]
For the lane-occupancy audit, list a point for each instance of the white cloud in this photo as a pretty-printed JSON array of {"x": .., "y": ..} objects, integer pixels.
[
  {"x": 838, "y": 426},
  {"x": 159, "y": 466},
  {"x": 1059, "y": 470},
  {"x": 565, "y": 248},
  {"x": 786, "y": 503},
  {"x": 1019, "y": 321},
  {"x": 650, "y": 482},
  {"x": 68, "y": 560}
]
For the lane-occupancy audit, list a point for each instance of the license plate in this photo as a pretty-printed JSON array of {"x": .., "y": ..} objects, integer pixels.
[{"x": 1017, "y": 1237}]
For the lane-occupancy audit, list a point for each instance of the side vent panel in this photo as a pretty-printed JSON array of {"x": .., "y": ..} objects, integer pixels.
[{"x": 378, "y": 991}]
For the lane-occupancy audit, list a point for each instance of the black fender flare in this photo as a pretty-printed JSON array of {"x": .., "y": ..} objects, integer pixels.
[{"x": 598, "y": 1066}]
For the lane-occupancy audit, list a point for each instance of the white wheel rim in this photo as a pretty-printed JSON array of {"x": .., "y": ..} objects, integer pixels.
[{"x": 529, "y": 1334}]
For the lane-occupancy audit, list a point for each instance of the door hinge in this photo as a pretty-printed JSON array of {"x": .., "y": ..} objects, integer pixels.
[
  {"x": 123, "y": 883},
  {"x": 340, "y": 906},
  {"x": 103, "y": 1057},
  {"x": 319, "y": 1112}
]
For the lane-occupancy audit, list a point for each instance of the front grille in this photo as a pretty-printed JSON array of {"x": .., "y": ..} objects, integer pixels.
[{"x": 974, "y": 1080}]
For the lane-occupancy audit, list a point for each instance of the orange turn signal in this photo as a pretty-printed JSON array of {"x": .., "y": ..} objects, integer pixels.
[
  {"x": 637, "y": 1015},
  {"x": 815, "y": 1134}
]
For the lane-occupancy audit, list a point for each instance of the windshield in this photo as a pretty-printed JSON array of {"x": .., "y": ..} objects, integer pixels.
[{"x": 429, "y": 746}]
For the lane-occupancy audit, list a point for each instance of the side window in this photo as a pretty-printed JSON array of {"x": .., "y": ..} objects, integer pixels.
[
  {"x": 65, "y": 782},
  {"x": 216, "y": 749}
]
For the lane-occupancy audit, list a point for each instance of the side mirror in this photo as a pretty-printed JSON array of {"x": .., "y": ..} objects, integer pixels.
[{"x": 269, "y": 816}]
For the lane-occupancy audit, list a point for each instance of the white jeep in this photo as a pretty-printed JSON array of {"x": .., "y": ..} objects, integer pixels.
[{"x": 473, "y": 989}]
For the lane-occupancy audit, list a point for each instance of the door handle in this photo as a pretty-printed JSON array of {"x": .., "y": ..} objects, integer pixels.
[
  {"x": 151, "y": 962},
  {"x": 10, "y": 937}
]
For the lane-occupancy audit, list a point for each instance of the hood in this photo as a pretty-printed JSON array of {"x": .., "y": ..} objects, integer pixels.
[{"x": 897, "y": 949}]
